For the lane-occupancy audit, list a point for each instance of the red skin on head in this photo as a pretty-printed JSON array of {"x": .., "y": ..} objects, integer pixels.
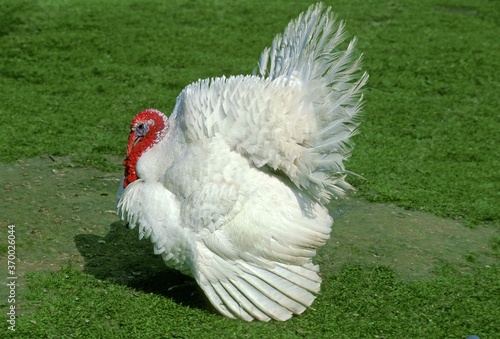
[{"x": 147, "y": 129}]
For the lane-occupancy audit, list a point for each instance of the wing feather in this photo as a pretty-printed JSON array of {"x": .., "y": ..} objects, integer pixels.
[
  {"x": 257, "y": 262},
  {"x": 296, "y": 114},
  {"x": 250, "y": 291}
]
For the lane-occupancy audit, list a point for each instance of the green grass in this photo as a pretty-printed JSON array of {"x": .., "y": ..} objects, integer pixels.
[
  {"x": 73, "y": 73},
  {"x": 358, "y": 303},
  {"x": 430, "y": 139}
]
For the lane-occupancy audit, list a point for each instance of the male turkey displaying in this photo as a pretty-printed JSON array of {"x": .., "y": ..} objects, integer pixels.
[{"x": 231, "y": 188}]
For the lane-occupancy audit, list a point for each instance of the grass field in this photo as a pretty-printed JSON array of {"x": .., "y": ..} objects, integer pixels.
[{"x": 73, "y": 73}]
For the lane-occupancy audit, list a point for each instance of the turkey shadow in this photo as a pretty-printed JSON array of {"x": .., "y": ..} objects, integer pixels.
[{"x": 121, "y": 258}]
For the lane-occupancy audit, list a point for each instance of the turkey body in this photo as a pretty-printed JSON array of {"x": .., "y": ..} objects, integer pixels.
[{"x": 231, "y": 188}]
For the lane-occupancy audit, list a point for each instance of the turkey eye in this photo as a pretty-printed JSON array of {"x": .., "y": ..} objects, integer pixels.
[{"x": 141, "y": 129}]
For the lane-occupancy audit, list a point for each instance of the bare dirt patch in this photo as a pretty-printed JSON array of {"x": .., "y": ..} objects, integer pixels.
[
  {"x": 65, "y": 214},
  {"x": 413, "y": 243}
]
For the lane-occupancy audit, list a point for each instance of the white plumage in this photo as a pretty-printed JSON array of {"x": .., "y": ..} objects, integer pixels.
[{"x": 231, "y": 188}]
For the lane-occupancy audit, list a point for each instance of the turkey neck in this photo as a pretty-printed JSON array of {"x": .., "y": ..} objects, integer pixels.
[{"x": 155, "y": 161}]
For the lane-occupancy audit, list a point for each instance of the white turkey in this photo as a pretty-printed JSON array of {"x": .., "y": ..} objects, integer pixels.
[{"x": 231, "y": 188}]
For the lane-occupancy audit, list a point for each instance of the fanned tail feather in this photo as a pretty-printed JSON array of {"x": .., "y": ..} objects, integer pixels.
[{"x": 308, "y": 50}]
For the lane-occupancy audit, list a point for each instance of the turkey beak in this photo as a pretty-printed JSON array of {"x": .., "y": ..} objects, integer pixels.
[
  {"x": 136, "y": 140},
  {"x": 136, "y": 137}
]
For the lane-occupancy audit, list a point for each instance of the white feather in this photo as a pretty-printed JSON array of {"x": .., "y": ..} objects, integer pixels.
[{"x": 234, "y": 193}]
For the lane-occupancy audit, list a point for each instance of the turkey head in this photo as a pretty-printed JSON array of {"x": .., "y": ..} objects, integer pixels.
[{"x": 146, "y": 130}]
